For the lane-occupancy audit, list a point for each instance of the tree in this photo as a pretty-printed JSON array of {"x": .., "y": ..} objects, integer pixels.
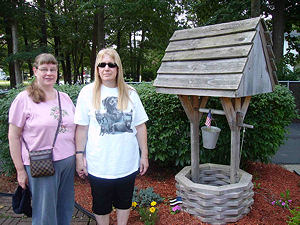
[
  {"x": 284, "y": 14},
  {"x": 255, "y": 8}
]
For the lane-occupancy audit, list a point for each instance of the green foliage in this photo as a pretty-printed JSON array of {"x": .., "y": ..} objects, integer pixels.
[
  {"x": 5, "y": 102},
  {"x": 257, "y": 185},
  {"x": 71, "y": 90},
  {"x": 284, "y": 73},
  {"x": 295, "y": 218},
  {"x": 270, "y": 114},
  {"x": 285, "y": 200},
  {"x": 144, "y": 197},
  {"x": 208, "y": 12},
  {"x": 169, "y": 129},
  {"x": 144, "y": 201},
  {"x": 148, "y": 215}
]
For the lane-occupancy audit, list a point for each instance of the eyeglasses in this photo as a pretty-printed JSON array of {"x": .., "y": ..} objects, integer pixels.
[
  {"x": 45, "y": 70},
  {"x": 110, "y": 65}
]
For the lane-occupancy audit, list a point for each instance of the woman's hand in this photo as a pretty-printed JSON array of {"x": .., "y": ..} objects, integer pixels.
[
  {"x": 144, "y": 164},
  {"x": 141, "y": 136},
  {"x": 81, "y": 166},
  {"x": 81, "y": 138},
  {"x": 22, "y": 178}
]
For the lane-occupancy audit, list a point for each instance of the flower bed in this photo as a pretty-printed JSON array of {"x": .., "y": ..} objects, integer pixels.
[{"x": 270, "y": 182}]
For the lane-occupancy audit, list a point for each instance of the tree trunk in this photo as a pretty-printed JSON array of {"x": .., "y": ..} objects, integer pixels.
[
  {"x": 119, "y": 35},
  {"x": 101, "y": 33},
  {"x": 255, "y": 8},
  {"x": 279, "y": 22},
  {"x": 43, "y": 39},
  {"x": 94, "y": 46},
  {"x": 56, "y": 50},
  {"x": 131, "y": 60},
  {"x": 68, "y": 77},
  {"x": 98, "y": 41},
  {"x": 56, "y": 37},
  {"x": 18, "y": 75},
  {"x": 27, "y": 47},
  {"x": 140, "y": 58},
  {"x": 10, "y": 52}
]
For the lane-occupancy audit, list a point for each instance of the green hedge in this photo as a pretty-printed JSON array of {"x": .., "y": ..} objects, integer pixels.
[{"x": 169, "y": 129}]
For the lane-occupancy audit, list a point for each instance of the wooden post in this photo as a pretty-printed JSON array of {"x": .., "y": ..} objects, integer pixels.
[
  {"x": 191, "y": 107},
  {"x": 235, "y": 112}
]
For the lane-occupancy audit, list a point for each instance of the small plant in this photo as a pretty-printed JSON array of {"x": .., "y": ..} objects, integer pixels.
[
  {"x": 257, "y": 185},
  {"x": 285, "y": 201},
  {"x": 144, "y": 201},
  {"x": 295, "y": 218},
  {"x": 149, "y": 215},
  {"x": 256, "y": 175},
  {"x": 175, "y": 209},
  {"x": 144, "y": 197}
]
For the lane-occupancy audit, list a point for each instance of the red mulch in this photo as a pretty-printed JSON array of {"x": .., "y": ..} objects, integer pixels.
[{"x": 269, "y": 182}]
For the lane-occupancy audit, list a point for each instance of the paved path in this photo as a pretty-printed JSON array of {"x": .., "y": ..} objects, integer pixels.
[
  {"x": 8, "y": 217},
  {"x": 288, "y": 154}
]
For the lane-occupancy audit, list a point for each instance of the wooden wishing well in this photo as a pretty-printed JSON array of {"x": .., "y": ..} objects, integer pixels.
[{"x": 232, "y": 61}]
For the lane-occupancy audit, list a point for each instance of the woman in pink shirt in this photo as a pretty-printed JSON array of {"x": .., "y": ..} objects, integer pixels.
[{"x": 33, "y": 116}]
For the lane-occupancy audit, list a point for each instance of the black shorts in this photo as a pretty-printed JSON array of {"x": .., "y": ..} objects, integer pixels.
[{"x": 111, "y": 192}]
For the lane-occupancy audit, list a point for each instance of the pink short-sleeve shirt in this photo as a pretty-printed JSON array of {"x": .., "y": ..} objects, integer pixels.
[{"x": 39, "y": 123}]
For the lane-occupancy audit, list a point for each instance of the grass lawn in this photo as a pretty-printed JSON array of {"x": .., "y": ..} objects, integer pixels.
[{"x": 5, "y": 84}]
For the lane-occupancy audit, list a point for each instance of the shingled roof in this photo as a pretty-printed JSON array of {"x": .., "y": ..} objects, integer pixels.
[{"x": 232, "y": 59}]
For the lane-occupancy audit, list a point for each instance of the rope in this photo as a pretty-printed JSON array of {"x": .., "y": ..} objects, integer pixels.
[{"x": 243, "y": 136}]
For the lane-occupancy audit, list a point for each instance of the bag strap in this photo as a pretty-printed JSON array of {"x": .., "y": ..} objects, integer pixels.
[{"x": 58, "y": 125}]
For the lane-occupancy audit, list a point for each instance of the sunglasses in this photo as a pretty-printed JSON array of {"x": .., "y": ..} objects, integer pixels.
[{"x": 110, "y": 65}]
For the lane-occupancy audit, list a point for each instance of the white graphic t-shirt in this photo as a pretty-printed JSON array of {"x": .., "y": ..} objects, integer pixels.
[{"x": 112, "y": 149}]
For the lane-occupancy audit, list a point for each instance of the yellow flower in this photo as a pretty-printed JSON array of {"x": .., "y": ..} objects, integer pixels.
[
  {"x": 153, "y": 203},
  {"x": 134, "y": 204},
  {"x": 152, "y": 209}
]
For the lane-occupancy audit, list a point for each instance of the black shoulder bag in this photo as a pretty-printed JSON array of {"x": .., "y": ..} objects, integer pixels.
[{"x": 41, "y": 161}]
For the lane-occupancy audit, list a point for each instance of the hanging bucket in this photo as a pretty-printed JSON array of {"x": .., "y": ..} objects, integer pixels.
[{"x": 210, "y": 136}]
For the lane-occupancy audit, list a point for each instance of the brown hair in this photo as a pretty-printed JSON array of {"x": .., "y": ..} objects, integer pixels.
[
  {"x": 123, "y": 96},
  {"x": 34, "y": 91}
]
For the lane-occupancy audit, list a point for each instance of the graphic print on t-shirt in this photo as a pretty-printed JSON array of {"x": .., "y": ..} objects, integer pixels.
[
  {"x": 55, "y": 113},
  {"x": 113, "y": 121}
]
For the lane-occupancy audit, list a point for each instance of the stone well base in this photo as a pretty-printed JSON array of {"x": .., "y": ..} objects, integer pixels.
[{"x": 214, "y": 200}]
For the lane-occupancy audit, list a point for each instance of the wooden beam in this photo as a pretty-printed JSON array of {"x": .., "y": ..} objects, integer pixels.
[
  {"x": 203, "y": 102},
  {"x": 195, "y": 140},
  {"x": 245, "y": 105},
  {"x": 231, "y": 108},
  {"x": 235, "y": 142},
  {"x": 229, "y": 111},
  {"x": 213, "y": 111},
  {"x": 187, "y": 106},
  {"x": 191, "y": 106}
]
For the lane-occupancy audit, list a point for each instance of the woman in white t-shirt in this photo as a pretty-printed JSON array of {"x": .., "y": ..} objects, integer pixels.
[
  {"x": 111, "y": 138},
  {"x": 33, "y": 118}
]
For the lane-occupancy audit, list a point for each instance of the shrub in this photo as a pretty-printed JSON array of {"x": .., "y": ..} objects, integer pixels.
[
  {"x": 169, "y": 128},
  {"x": 5, "y": 102},
  {"x": 295, "y": 218},
  {"x": 144, "y": 197}
]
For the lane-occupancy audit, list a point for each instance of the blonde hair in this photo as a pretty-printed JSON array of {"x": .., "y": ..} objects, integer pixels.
[
  {"x": 123, "y": 88},
  {"x": 34, "y": 91}
]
